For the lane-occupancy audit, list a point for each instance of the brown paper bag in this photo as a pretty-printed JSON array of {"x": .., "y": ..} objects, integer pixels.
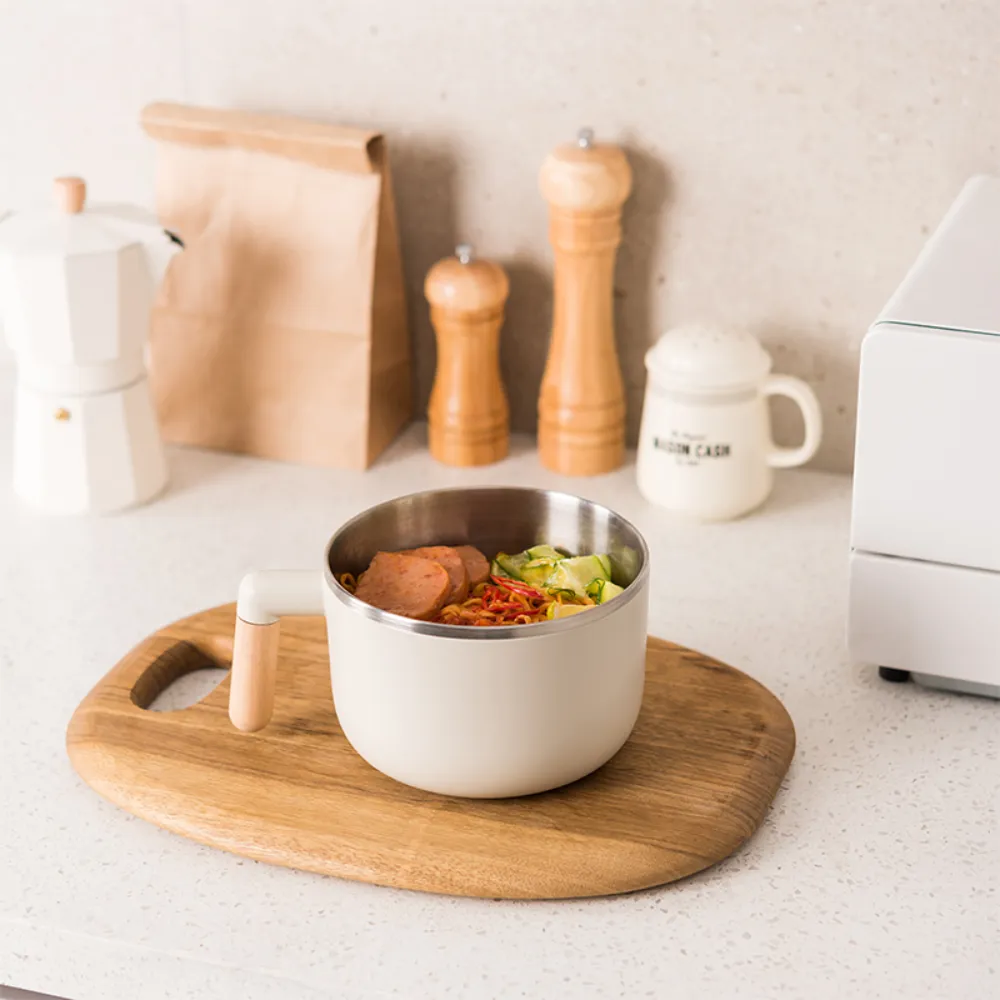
[{"x": 281, "y": 329}]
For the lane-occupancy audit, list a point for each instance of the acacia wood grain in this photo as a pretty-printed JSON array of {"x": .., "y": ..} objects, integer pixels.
[
  {"x": 693, "y": 783},
  {"x": 581, "y": 404},
  {"x": 468, "y": 417}
]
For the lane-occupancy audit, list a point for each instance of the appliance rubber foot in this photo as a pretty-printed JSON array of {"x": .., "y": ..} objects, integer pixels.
[{"x": 893, "y": 675}]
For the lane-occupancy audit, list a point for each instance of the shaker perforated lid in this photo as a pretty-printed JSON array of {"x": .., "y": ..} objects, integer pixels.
[
  {"x": 67, "y": 228},
  {"x": 707, "y": 357}
]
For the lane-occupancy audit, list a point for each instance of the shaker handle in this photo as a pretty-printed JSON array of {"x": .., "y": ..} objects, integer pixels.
[
  {"x": 800, "y": 393},
  {"x": 263, "y": 598}
]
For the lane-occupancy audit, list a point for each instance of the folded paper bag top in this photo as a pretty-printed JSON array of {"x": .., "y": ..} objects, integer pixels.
[
  {"x": 284, "y": 333},
  {"x": 330, "y": 147}
]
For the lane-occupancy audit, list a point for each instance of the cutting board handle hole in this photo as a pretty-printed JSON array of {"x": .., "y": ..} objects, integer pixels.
[{"x": 181, "y": 676}]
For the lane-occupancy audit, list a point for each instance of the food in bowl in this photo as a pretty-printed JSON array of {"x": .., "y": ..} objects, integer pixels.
[{"x": 457, "y": 585}]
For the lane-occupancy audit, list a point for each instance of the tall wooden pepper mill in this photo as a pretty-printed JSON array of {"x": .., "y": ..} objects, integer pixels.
[
  {"x": 581, "y": 407},
  {"x": 468, "y": 416}
]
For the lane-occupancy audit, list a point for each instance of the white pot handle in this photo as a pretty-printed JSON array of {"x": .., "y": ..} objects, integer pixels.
[
  {"x": 263, "y": 598},
  {"x": 797, "y": 390}
]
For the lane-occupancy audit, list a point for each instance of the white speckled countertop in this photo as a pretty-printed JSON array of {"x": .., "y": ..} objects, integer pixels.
[{"x": 875, "y": 875}]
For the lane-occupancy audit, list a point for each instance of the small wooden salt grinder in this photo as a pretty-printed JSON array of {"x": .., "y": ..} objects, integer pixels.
[
  {"x": 468, "y": 416},
  {"x": 581, "y": 407}
]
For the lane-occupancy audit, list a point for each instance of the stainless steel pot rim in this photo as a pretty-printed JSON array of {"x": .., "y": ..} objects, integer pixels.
[{"x": 463, "y": 633}]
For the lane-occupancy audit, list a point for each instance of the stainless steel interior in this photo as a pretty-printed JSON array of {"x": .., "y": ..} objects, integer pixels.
[{"x": 507, "y": 519}]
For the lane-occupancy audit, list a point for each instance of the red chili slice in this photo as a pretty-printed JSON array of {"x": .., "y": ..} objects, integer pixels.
[{"x": 519, "y": 588}]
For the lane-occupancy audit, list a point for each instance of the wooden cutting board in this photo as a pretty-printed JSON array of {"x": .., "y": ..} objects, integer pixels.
[{"x": 693, "y": 783}]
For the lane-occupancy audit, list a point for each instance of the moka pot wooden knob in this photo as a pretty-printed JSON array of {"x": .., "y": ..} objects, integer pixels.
[
  {"x": 581, "y": 406},
  {"x": 468, "y": 416},
  {"x": 70, "y": 194}
]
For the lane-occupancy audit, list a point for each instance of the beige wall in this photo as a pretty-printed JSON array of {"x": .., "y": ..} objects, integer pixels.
[{"x": 790, "y": 157}]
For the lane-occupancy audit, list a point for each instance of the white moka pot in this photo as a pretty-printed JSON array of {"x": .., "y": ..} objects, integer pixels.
[
  {"x": 77, "y": 286},
  {"x": 460, "y": 710},
  {"x": 705, "y": 446}
]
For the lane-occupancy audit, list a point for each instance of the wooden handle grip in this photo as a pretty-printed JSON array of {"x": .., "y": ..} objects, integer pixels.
[
  {"x": 255, "y": 663},
  {"x": 164, "y": 667}
]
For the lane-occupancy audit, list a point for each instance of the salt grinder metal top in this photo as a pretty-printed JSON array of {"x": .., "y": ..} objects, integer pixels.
[
  {"x": 468, "y": 417},
  {"x": 581, "y": 407}
]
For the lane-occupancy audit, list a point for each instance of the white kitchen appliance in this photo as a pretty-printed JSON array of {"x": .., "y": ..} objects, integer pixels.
[
  {"x": 925, "y": 532},
  {"x": 76, "y": 291}
]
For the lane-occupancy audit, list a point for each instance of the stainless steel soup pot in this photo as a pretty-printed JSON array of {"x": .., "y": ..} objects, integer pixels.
[{"x": 459, "y": 710}]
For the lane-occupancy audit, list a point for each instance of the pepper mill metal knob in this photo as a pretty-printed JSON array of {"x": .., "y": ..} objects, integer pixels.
[
  {"x": 468, "y": 416},
  {"x": 581, "y": 407}
]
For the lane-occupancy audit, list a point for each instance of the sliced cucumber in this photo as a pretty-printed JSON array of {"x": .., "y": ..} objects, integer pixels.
[
  {"x": 545, "y": 566},
  {"x": 544, "y": 552},
  {"x": 603, "y": 591},
  {"x": 532, "y": 565},
  {"x": 508, "y": 566},
  {"x": 576, "y": 573},
  {"x": 537, "y": 571},
  {"x": 555, "y": 594}
]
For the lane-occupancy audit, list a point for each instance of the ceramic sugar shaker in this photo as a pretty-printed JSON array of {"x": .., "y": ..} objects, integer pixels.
[{"x": 705, "y": 445}]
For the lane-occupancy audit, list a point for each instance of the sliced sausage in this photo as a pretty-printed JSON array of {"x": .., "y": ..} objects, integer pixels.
[
  {"x": 453, "y": 564},
  {"x": 405, "y": 585},
  {"x": 476, "y": 564}
]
